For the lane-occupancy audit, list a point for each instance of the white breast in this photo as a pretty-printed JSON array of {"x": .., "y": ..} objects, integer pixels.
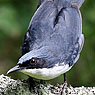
[{"x": 47, "y": 73}]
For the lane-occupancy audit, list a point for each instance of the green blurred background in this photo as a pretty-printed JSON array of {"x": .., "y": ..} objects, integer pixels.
[{"x": 15, "y": 16}]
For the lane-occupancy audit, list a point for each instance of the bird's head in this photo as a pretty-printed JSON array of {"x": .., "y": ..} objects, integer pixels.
[
  {"x": 40, "y": 64},
  {"x": 30, "y": 60}
]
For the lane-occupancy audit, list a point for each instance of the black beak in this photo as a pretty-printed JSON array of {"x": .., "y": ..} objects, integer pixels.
[{"x": 16, "y": 68}]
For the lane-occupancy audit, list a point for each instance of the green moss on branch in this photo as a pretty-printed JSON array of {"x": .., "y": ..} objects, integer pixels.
[{"x": 10, "y": 86}]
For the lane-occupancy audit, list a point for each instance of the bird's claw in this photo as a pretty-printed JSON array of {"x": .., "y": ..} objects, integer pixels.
[{"x": 64, "y": 89}]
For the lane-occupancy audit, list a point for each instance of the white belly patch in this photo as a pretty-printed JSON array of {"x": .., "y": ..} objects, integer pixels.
[{"x": 47, "y": 73}]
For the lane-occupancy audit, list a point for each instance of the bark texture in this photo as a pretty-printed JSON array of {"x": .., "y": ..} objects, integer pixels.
[{"x": 10, "y": 86}]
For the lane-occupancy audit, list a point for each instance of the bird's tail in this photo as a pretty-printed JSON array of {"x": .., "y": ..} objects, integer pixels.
[{"x": 65, "y": 3}]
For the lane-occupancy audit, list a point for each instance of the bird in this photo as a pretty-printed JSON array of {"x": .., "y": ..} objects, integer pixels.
[{"x": 53, "y": 41}]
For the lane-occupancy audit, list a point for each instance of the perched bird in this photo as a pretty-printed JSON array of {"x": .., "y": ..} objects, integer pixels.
[{"x": 53, "y": 41}]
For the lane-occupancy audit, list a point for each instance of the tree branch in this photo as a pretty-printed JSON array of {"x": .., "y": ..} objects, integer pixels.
[{"x": 10, "y": 86}]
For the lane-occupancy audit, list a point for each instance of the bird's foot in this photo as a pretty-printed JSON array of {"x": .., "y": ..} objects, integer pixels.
[
  {"x": 35, "y": 84},
  {"x": 64, "y": 89},
  {"x": 31, "y": 83}
]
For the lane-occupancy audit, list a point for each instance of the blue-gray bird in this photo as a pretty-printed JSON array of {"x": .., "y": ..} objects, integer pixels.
[{"x": 53, "y": 41}]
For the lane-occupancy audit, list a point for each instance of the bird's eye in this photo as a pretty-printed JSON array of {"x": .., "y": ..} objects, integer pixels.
[{"x": 32, "y": 61}]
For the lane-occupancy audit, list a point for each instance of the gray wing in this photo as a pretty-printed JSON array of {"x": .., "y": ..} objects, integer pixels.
[
  {"x": 64, "y": 3},
  {"x": 41, "y": 25},
  {"x": 69, "y": 27}
]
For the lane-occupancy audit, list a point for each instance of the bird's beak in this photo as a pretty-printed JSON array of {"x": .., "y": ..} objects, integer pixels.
[{"x": 16, "y": 68}]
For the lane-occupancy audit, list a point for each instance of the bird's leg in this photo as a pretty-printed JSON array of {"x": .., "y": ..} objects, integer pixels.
[
  {"x": 64, "y": 88},
  {"x": 31, "y": 83},
  {"x": 64, "y": 77},
  {"x": 65, "y": 81},
  {"x": 42, "y": 82}
]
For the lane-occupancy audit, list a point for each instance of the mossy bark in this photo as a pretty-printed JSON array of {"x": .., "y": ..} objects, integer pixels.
[{"x": 10, "y": 86}]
